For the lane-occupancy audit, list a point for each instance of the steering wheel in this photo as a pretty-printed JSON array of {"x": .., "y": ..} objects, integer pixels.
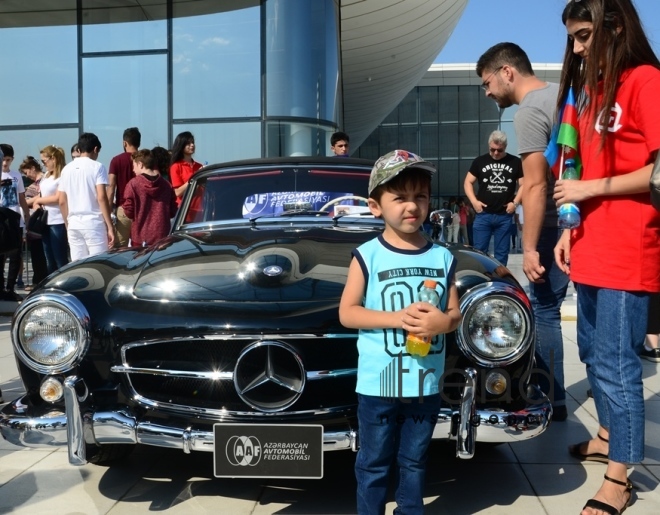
[{"x": 339, "y": 199}]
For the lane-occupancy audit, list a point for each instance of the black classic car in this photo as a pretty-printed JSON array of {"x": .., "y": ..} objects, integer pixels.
[{"x": 224, "y": 337}]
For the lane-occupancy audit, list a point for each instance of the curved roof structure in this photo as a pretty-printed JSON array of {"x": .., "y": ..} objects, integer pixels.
[{"x": 386, "y": 48}]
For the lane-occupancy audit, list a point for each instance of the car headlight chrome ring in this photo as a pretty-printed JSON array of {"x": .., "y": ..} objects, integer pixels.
[
  {"x": 497, "y": 326},
  {"x": 51, "y": 332}
]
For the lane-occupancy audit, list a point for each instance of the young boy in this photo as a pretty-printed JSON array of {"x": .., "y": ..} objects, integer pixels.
[
  {"x": 149, "y": 201},
  {"x": 12, "y": 196},
  {"x": 398, "y": 395}
]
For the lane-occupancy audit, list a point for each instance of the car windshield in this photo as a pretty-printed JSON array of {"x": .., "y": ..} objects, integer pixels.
[{"x": 257, "y": 194}]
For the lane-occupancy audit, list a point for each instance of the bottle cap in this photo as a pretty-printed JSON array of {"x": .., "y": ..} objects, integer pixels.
[
  {"x": 430, "y": 283},
  {"x": 570, "y": 163}
]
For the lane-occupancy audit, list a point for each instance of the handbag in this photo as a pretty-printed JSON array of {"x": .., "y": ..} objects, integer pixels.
[
  {"x": 38, "y": 222},
  {"x": 655, "y": 184}
]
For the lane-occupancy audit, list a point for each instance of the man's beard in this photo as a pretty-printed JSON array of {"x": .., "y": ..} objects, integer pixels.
[{"x": 502, "y": 103}]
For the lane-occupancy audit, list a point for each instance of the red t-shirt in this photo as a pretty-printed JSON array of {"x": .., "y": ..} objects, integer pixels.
[
  {"x": 121, "y": 166},
  {"x": 617, "y": 246},
  {"x": 181, "y": 172}
]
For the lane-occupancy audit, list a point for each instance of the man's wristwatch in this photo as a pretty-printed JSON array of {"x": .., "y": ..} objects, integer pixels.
[{"x": 515, "y": 204}]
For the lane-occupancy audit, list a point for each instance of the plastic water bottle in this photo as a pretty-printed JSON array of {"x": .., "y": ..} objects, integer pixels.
[
  {"x": 415, "y": 345},
  {"x": 569, "y": 214}
]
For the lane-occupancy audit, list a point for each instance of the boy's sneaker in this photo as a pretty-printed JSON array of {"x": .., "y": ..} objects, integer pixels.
[{"x": 651, "y": 355}]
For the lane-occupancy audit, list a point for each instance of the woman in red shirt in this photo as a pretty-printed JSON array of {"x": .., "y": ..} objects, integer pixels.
[
  {"x": 613, "y": 257},
  {"x": 183, "y": 166}
]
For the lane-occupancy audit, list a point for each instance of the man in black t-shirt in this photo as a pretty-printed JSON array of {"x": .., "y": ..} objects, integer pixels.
[{"x": 498, "y": 175}]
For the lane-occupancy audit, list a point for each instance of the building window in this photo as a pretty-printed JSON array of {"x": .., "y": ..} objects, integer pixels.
[
  {"x": 123, "y": 26},
  {"x": 446, "y": 125},
  {"x": 216, "y": 63}
]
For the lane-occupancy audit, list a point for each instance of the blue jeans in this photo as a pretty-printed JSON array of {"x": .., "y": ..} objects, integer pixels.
[
  {"x": 55, "y": 247},
  {"x": 611, "y": 327},
  {"x": 393, "y": 428},
  {"x": 499, "y": 226},
  {"x": 547, "y": 299}
]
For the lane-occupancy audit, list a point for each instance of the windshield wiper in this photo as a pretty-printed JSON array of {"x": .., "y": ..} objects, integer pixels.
[
  {"x": 290, "y": 212},
  {"x": 296, "y": 212},
  {"x": 342, "y": 215}
]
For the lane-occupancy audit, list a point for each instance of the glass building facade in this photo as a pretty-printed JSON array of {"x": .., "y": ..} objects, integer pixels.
[
  {"x": 446, "y": 125},
  {"x": 447, "y": 120},
  {"x": 234, "y": 73}
]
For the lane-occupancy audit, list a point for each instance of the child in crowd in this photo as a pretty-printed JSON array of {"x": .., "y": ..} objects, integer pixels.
[
  {"x": 397, "y": 416},
  {"x": 149, "y": 201}
]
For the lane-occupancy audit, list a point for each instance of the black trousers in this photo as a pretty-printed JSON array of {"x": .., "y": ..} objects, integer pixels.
[
  {"x": 37, "y": 259},
  {"x": 15, "y": 260}
]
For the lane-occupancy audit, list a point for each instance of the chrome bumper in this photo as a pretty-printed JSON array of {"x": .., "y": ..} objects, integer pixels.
[{"x": 77, "y": 427}]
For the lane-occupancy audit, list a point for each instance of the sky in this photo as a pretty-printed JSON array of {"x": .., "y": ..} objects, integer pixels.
[{"x": 535, "y": 25}]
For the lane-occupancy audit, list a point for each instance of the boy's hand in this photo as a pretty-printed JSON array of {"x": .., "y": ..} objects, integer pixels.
[{"x": 423, "y": 319}]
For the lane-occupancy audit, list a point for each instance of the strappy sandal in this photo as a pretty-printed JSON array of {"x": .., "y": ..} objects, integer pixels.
[
  {"x": 608, "y": 508},
  {"x": 574, "y": 450}
]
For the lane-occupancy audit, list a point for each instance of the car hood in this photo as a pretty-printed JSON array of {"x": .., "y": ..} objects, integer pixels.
[{"x": 279, "y": 264}]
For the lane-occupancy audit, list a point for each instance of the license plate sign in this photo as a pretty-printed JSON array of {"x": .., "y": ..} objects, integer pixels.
[{"x": 268, "y": 451}]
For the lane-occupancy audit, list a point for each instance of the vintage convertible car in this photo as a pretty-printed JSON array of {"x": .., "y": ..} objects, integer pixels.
[{"x": 224, "y": 337}]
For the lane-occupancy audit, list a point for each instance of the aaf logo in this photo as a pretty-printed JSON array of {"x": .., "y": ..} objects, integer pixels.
[
  {"x": 243, "y": 451},
  {"x": 256, "y": 204}
]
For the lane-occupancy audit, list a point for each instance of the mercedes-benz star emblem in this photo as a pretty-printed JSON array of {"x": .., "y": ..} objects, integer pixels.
[
  {"x": 269, "y": 376},
  {"x": 272, "y": 270}
]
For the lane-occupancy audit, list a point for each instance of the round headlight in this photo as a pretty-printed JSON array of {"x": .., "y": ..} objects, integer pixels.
[
  {"x": 50, "y": 332},
  {"x": 496, "y": 325}
]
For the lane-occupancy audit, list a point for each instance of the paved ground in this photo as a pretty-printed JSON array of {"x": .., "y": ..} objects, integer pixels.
[{"x": 537, "y": 476}]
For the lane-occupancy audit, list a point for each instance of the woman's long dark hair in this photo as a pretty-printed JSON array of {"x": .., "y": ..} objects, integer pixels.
[
  {"x": 180, "y": 142},
  {"x": 618, "y": 43}
]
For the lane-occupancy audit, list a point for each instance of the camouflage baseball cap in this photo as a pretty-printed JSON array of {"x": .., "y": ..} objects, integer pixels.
[{"x": 392, "y": 164}]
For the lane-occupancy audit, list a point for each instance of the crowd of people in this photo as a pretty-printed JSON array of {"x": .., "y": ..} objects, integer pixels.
[{"x": 84, "y": 208}]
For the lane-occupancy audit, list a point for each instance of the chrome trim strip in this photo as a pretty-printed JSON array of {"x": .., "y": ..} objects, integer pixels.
[
  {"x": 477, "y": 294},
  {"x": 467, "y": 432},
  {"x": 223, "y": 414},
  {"x": 223, "y": 376},
  {"x": 255, "y": 337},
  {"x": 118, "y": 427},
  {"x": 66, "y": 302},
  {"x": 323, "y": 374},
  {"x": 188, "y": 374},
  {"x": 74, "y": 423}
]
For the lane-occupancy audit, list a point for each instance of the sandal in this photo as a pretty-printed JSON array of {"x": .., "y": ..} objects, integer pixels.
[
  {"x": 608, "y": 508},
  {"x": 574, "y": 450}
]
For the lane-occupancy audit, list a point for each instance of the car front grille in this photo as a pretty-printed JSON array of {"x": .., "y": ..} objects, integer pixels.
[{"x": 278, "y": 374}]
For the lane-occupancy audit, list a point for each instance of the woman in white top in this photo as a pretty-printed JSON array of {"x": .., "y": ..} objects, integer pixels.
[{"x": 56, "y": 246}]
